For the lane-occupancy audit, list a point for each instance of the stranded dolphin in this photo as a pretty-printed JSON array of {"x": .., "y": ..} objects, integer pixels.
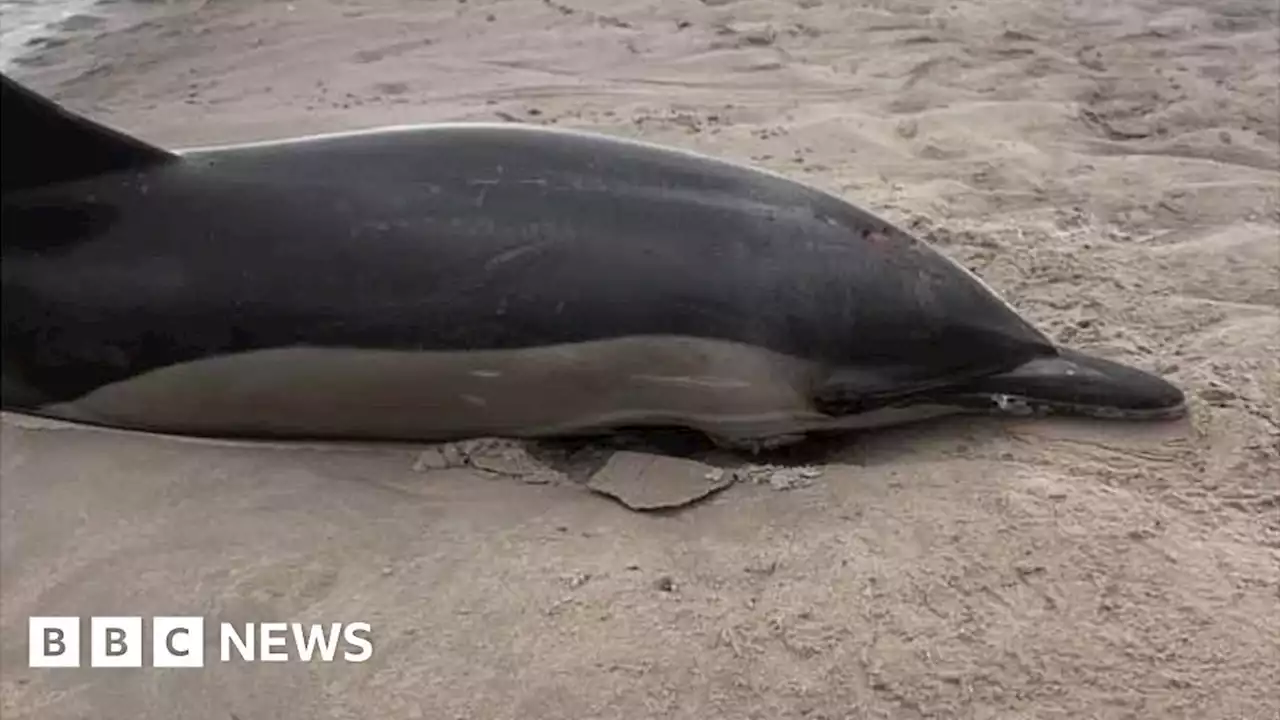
[{"x": 457, "y": 280}]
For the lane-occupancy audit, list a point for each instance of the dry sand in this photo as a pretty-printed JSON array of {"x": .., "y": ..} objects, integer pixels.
[{"x": 1113, "y": 168}]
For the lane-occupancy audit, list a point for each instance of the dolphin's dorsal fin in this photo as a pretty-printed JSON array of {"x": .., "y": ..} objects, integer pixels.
[{"x": 42, "y": 142}]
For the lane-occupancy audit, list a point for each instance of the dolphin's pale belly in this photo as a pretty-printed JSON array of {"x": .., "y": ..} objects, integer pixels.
[{"x": 726, "y": 389}]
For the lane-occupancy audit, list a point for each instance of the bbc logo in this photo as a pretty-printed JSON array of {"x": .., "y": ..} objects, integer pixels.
[
  {"x": 179, "y": 642},
  {"x": 176, "y": 642}
]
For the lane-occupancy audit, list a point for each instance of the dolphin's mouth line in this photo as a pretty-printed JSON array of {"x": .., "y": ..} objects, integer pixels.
[{"x": 1012, "y": 405}]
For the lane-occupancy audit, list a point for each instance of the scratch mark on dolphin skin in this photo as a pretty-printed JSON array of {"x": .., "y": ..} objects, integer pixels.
[
  {"x": 691, "y": 381},
  {"x": 486, "y": 373},
  {"x": 484, "y": 190},
  {"x": 509, "y": 255}
]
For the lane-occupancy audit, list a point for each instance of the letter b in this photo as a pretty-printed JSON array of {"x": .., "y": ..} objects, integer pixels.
[
  {"x": 53, "y": 642},
  {"x": 115, "y": 642}
]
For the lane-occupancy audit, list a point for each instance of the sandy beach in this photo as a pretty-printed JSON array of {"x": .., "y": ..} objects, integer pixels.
[{"x": 1111, "y": 168}]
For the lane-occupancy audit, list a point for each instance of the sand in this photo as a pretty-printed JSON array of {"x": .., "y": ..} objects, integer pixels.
[{"x": 1112, "y": 168}]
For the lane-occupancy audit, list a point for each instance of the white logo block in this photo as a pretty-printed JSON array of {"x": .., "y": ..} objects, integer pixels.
[
  {"x": 177, "y": 642},
  {"x": 115, "y": 642},
  {"x": 53, "y": 642}
]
